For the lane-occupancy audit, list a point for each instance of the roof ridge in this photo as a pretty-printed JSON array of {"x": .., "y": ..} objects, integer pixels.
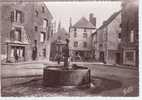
[
  {"x": 83, "y": 23},
  {"x": 110, "y": 19}
]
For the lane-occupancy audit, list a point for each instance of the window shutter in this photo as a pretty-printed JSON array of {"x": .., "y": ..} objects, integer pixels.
[
  {"x": 22, "y": 17},
  {"x": 12, "y": 16},
  {"x": 12, "y": 35}
]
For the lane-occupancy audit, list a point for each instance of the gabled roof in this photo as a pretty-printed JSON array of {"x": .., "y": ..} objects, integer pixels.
[
  {"x": 83, "y": 23},
  {"x": 62, "y": 33},
  {"x": 110, "y": 19}
]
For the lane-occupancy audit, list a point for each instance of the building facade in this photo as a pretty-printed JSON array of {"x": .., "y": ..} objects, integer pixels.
[
  {"x": 58, "y": 42},
  {"x": 80, "y": 38},
  {"x": 14, "y": 36},
  {"x": 129, "y": 44},
  {"x": 107, "y": 40},
  {"x": 25, "y": 28}
]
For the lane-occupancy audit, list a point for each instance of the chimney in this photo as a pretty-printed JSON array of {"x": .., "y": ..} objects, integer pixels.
[{"x": 92, "y": 19}]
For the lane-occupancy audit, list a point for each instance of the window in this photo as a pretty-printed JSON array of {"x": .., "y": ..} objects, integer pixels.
[
  {"x": 36, "y": 28},
  {"x": 75, "y": 44},
  {"x": 84, "y": 29},
  {"x": 42, "y": 37},
  {"x": 12, "y": 52},
  {"x": 15, "y": 35},
  {"x": 130, "y": 56},
  {"x": 45, "y": 23},
  {"x": 75, "y": 29},
  {"x": 119, "y": 35},
  {"x": 12, "y": 16},
  {"x": 100, "y": 45},
  {"x": 132, "y": 36},
  {"x": 120, "y": 25},
  {"x": 43, "y": 10},
  {"x": 12, "y": 35},
  {"x": 84, "y": 44},
  {"x": 19, "y": 16},
  {"x": 44, "y": 52},
  {"x": 85, "y": 35},
  {"x": 75, "y": 34},
  {"x": 36, "y": 13}
]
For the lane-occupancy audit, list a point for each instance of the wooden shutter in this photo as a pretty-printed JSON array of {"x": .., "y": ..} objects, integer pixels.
[
  {"x": 12, "y": 16},
  {"x": 12, "y": 35},
  {"x": 22, "y": 17}
]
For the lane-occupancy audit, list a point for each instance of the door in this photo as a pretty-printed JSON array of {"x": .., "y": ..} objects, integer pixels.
[
  {"x": 118, "y": 58},
  {"x": 102, "y": 56}
]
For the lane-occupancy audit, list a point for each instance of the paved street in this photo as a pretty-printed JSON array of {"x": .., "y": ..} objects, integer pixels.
[{"x": 26, "y": 80}]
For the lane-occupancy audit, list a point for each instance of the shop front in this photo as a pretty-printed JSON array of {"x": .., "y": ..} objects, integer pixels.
[
  {"x": 17, "y": 52},
  {"x": 129, "y": 57}
]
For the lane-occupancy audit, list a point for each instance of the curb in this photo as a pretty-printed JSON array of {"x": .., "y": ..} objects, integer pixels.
[{"x": 22, "y": 76}]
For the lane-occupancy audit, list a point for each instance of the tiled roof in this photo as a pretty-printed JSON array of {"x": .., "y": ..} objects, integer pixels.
[
  {"x": 83, "y": 23},
  {"x": 110, "y": 19},
  {"x": 62, "y": 33}
]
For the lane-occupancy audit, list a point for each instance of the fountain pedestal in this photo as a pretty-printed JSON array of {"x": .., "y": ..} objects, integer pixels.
[
  {"x": 66, "y": 76},
  {"x": 60, "y": 77}
]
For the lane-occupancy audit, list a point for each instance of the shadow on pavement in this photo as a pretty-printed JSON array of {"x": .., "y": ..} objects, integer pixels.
[
  {"x": 35, "y": 86},
  {"x": 102, "y": 84}
]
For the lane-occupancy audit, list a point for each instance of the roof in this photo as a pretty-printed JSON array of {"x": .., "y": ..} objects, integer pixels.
[
  {"x": 62, "y": 33},
  {"x": 110, "y": 19},
  {"x": 83, "y": 23}
]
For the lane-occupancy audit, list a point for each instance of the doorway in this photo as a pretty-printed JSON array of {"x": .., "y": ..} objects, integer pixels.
[
  {"x": 102, "y": 56},
  {"x": 118, "y": 58}
]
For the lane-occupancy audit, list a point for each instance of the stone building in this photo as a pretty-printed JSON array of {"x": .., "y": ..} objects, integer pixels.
[
  {"x": 106, "y": 40},
  {"x": 13, "y": 33},
  {"x": 80, "y": 38},
  {"x": 39, "y": 28},
  {"x": 129, "y": 34},
  {"x": 25, "y": 25},
  {"x": 58, "y": 42}
]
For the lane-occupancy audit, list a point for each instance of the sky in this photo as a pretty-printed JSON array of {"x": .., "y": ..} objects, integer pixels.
[{"x": 62, "y": 11}]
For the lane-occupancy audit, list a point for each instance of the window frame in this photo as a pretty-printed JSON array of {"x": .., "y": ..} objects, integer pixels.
[
  {"x": 85, "y": 44},
  {"x": 44, "y": 37},
  {"x": 76, "y": 44}
]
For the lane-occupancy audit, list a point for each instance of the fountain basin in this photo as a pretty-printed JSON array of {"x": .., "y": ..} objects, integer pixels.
[{"x": 57, "y": 76}]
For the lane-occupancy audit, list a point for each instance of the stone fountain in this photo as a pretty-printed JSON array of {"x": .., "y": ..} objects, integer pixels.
[{"x": 66, "y": 75}]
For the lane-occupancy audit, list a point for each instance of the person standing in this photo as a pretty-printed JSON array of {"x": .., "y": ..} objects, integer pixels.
[
  {"x": 15, "y": 55},
  {"x": 34, "y": 53}
]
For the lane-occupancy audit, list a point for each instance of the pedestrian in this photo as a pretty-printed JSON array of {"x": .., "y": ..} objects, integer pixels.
[
  {"x": 59, "y": 58},
  {"x": 34, "y": 53},
  {"x": 15, "y": 55}
]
